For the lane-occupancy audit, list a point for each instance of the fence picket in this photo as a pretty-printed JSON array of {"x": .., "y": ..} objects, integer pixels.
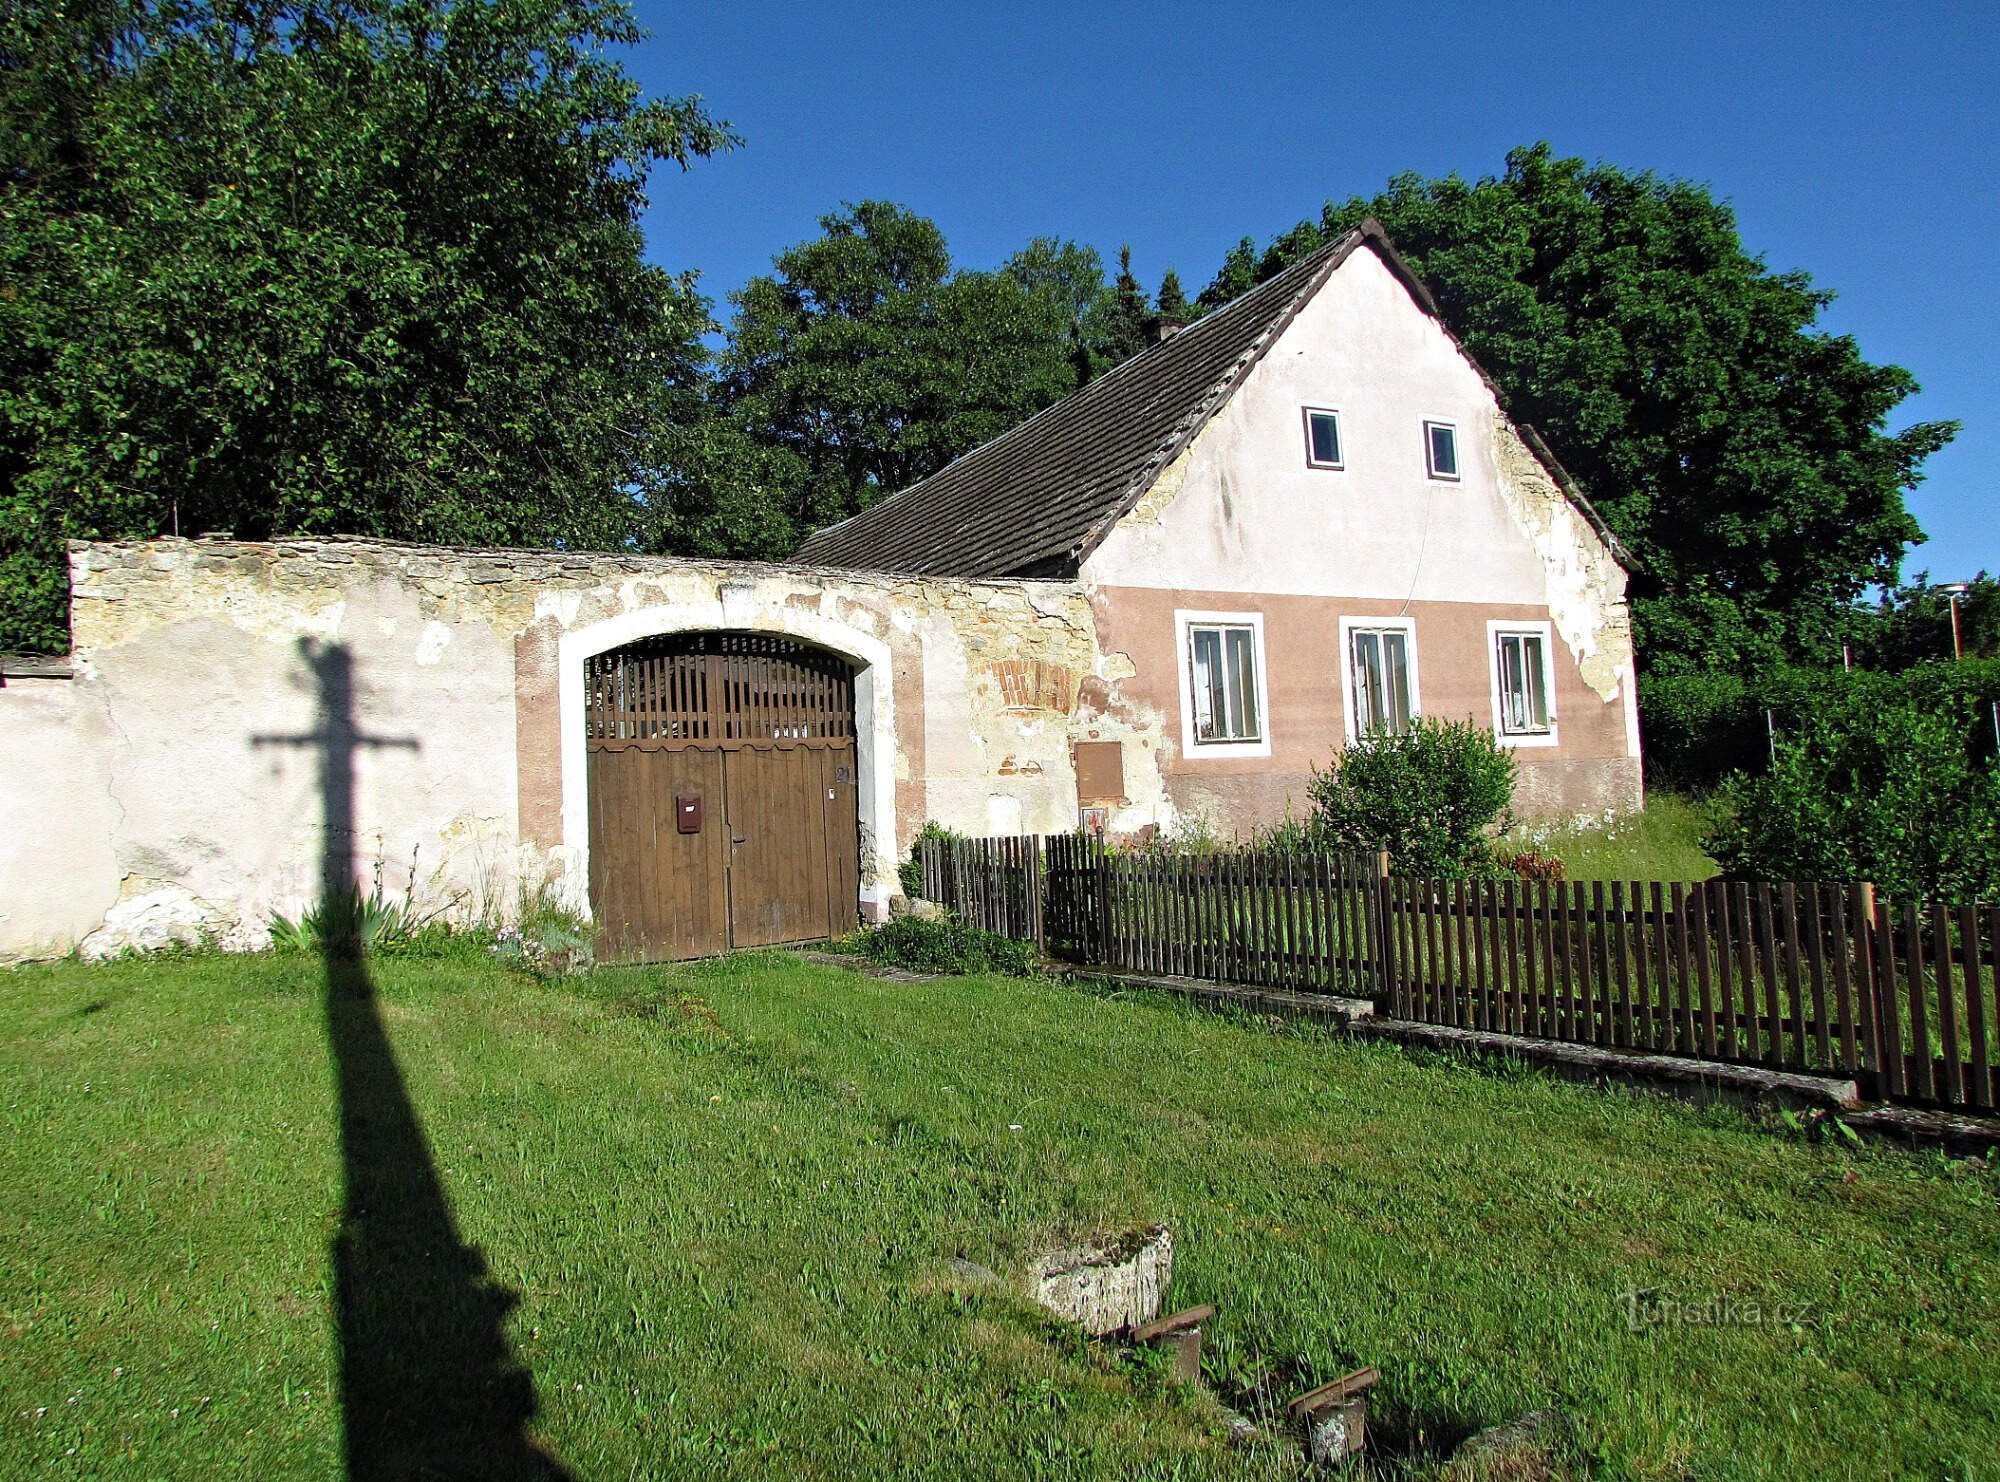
[
  {"x": 1953, "y": 1089},
  {"x": 1822, "y": 1034},
  {"x": 1767, "y": 947},
  {"x": 1980, "y": 1091},
  {"x": 1642, "y": 971},
  {"x": 1923, "y": 1081}
]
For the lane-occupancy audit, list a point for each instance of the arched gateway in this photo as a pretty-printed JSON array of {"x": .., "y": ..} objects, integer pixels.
[{"x": 722, "y": 794}]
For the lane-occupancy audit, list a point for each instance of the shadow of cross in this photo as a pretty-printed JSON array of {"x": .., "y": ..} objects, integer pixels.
[{"x": 429, "y": 1383}]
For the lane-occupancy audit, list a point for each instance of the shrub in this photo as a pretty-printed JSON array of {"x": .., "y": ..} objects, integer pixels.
[
  {"x": 945, "y": 945},
  {"x": 1428, "y": 796},
  {"x": 1698, "y": 728},
  {"x": 1895, "y": 793},
  {"x": 347, "y": 919},
  {"x": 1533, "y": 866},
  {"x": 910, "y": 873}
]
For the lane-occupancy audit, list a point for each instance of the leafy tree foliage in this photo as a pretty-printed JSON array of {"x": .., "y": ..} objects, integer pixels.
[
  {"x": 313, "y": 265},
  {"x": 1912, "y": 623},
  {"x": 1429, "y": 797},
  {"x": 1128, "y": 318},
  {"x": 1238, "y": 274},
  {"x": 1738, "y": 450},
  {"x": 1072, "y": 277},
  {"x": 1172, "y": 302},
  {"x": 866, "y": 363},
  {"x": 1700, "y": 727},
  {"x": 1897, "y": 794}
]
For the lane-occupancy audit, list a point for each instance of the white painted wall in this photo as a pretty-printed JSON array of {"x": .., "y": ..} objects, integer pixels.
[
  {"x": 1252, "y": 517},
  {"x": 57, "y": 814}
]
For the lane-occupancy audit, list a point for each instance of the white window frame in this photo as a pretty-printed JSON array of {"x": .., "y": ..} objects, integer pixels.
[
  {"x": 1457, "y": 449},
  {"x": 1348, "y": 627},
  {"x": 1306, "y": 415},
  {"x": 1192, "y": 749},
  {"x": 1496, "y": 628}
]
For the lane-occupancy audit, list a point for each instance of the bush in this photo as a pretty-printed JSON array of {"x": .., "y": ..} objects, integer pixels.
[
  {"x": 945, "y": 945},
  {"x": 910, "y": 873},
  {"x": 1897, "y": 794},
  {"x": 1699, "y": 728},
  {"x": 1428, "y": 796}
]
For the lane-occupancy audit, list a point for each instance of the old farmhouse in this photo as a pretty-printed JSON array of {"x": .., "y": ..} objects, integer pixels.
[{"x": 1167, "y": 597}]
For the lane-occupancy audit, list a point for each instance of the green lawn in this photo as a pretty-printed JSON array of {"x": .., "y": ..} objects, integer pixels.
[
  {"x": 1661, "y": 842},
  {"x": 717, "y": 1206}
]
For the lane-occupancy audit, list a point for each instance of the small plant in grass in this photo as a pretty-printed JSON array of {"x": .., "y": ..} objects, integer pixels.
[
  {"x": 945, "y": 945},
  {"x": 547, "y": 939},
  {"x": 1430, "y": 796},
  {"x": 373, "y": 922},
  {"x": 1532, "y": 866}
]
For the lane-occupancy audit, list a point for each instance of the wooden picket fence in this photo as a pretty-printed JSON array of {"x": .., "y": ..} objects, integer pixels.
[
  {"x": 994, "y": 883},
  {"x": 1822, "y": 978}
]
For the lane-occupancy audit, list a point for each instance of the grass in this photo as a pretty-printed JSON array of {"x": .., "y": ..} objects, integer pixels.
[
  {"x": 717, "y": 1206},
  {"x": 1661, "y": 842}
]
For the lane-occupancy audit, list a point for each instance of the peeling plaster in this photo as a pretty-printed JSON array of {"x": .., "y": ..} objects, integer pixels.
[{"x": 1586, "y": 585}]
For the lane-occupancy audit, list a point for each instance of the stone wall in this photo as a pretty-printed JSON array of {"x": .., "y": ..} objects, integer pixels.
[{"x": 212, "y": 679}]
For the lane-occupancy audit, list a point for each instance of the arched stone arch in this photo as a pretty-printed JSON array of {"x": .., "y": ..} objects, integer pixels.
[{"x": 874, "y": 716}]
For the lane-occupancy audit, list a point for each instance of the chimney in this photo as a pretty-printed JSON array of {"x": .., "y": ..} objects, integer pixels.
[{"x": 1164, "y": 328}]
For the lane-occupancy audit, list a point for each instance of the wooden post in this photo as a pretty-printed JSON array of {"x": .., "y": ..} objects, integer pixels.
[{"x": 1387, "y": 989}]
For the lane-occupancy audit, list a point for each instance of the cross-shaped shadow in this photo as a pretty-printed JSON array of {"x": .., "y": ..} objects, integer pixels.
[{"x": 430, "y": 1385}]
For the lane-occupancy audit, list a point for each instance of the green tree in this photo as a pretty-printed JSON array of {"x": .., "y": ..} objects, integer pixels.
[
  {"x": 1127, "y": 318},
  {"x": 1912, "y": 623},
  {"x": 1171, "y": 306},
  {"x": 1742, "y": 453},
  {"x": 1072, "y": 277},
  {"x": 1236, "y": 277},
  {"x": 865, "y": 363},
  {"x": 312, "y": 265}
]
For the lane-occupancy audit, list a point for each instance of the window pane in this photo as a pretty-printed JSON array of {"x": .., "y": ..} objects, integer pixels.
[
  {"x": 1325, "y": 437},
  {"x": 1535, "y": 700},
  {"x": 1444, "y": 451},
  {"x": 1222, "y": 674},
  {"x": 1205, "y": 651},
  {"x": 1367, "y": 665},
  {"x": 1243, "y": 684},
  {"x": 1524, "y": 703},
  {"x": 1396, "y": 682}
]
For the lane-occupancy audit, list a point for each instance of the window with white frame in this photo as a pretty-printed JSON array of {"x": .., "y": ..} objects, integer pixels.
[
  {"x": 1323, "y": 448},
  {"x": 1224, "y": 688},
  {"x": 1441, "y": 450},
  {"x": 1524, "y": 710},
  {"x": 1379, "y": 658}
]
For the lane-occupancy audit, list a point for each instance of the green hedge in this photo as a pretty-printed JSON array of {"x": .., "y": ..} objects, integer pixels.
[
  {"x": 948, "y": 945},
  {"x": 1699, "y": 728}
]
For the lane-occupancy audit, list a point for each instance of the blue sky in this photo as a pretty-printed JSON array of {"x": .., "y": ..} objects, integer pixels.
[{"x": 1859, "y": 142}]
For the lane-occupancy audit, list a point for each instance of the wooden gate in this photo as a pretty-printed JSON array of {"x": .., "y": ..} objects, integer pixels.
[{"x": 723, "y": 797}]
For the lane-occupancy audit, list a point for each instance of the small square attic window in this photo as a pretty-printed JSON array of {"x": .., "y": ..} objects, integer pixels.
[
  {"x": 1441, "y": 450},
  {"x": 1323, "y": 438}
]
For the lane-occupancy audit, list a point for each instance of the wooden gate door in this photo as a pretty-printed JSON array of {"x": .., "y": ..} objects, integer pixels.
[{"x": 723, "y": 805}]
